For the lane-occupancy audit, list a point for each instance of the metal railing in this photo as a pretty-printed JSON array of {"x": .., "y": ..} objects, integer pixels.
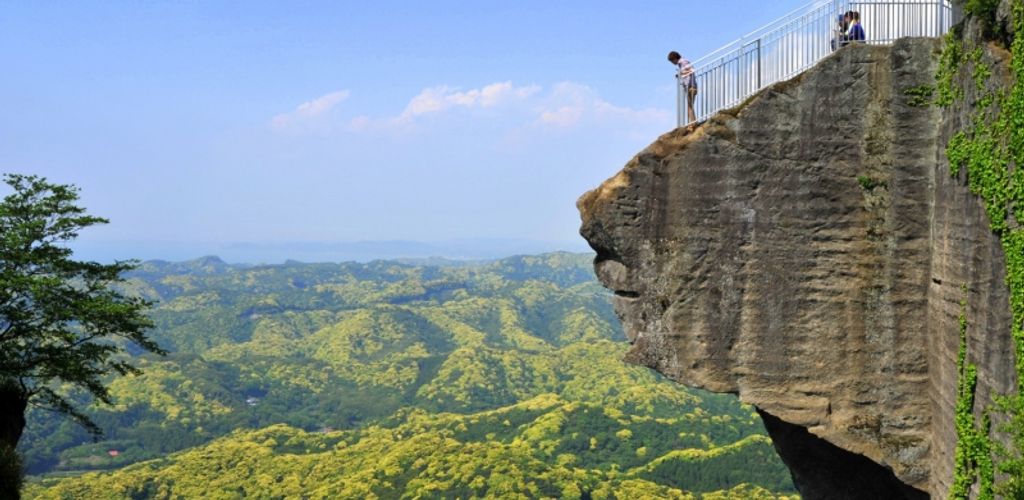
[{"x": 799, "y": 40}]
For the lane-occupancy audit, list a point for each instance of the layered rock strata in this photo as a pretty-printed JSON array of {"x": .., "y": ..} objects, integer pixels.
[{"x": 807, "y": 252}]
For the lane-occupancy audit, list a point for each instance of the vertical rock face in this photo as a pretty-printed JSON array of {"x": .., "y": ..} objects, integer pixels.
[{"x": 806, "y": 251}]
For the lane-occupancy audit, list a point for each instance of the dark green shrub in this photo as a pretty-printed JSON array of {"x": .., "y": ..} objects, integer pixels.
[
  {"x": 870, "y": 183},
  {"x": 986, "y": 11}
]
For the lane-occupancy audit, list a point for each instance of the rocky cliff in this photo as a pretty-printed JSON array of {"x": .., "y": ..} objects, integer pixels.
[{"x": 809, "y": 251}]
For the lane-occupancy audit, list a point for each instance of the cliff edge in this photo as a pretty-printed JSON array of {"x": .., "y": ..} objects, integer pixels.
[{"x": 810, "y": 252}]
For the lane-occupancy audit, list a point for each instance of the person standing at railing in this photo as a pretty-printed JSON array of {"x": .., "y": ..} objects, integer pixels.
[
  {"x": 688, "y": 80},
  {"x": 856, "y": 32}
]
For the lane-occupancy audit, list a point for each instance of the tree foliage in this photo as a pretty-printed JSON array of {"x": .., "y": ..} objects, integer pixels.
[{"x": 63, "y": 322}]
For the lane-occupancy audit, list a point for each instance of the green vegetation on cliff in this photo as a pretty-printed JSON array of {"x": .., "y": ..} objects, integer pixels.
[
  {"x": 991, "y": 150},
  {"x": 356, "y": 380}
]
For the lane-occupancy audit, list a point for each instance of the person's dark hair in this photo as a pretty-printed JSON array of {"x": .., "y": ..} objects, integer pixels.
[
  {"x": 855, "y": 14},
  {"x": 673, "y": 57}
]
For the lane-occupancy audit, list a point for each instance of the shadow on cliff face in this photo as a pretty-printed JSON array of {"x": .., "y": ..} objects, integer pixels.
[{"x": 823, "y": 470}]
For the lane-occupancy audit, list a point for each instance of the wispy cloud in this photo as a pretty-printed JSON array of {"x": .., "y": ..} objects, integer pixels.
[
  {"x": 447, "y": 99},
  {"x": 443, "y": 98},
  {"x": 563, "y": 106},
  {"x": 309, "y": 109},
  {"x": 572, "y": 104}
]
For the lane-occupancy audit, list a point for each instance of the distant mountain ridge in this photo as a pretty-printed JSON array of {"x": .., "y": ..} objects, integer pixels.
[{"x": 469, "y": 249}]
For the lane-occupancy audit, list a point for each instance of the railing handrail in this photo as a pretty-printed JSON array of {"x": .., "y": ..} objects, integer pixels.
[
  {"x": 742, "y": 41},
  {"x": 797, "y": 41}
]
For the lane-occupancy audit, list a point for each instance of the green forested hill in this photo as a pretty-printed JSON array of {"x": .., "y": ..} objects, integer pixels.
[{"x": 355, "y": 380}]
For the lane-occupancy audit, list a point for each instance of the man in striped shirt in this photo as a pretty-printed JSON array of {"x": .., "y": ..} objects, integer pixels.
[{"x": 688, "y": 80}]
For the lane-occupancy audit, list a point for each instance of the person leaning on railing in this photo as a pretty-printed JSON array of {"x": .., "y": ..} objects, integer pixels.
[{"x": 687, "y": 79}]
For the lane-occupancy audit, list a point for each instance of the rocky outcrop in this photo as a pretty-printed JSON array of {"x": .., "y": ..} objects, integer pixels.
[{"x": 806, "y": 251}]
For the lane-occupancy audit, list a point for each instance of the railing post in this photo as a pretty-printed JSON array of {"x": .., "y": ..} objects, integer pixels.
[
  {"x": 679, "y": 102},
  {"x": 739, "y": 69},
  {"x": 758, "y": 64},
  {"x": 941, "y": 4},
  {"x": 836, "y": 11}
]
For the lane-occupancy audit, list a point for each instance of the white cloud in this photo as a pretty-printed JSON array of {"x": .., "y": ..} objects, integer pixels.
[
  {"x": 563, "y": 106},
  {"x": 565, "y": 116},
  {"x": 443, "y": 98},
  {"x": 571, "y": 104},
  {"x": 360, "y": 123},
  {"x": 309, "y": 109}
]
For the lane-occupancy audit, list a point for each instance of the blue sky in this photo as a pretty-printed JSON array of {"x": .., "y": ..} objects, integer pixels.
[{"x": 199, "y": 126}]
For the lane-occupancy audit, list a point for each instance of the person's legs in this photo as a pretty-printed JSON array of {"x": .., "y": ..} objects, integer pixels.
[{"x": 691, "y": 96}]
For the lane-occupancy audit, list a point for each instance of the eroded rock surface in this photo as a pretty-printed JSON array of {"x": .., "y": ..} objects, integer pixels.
[{"x": 806, "y": 251}]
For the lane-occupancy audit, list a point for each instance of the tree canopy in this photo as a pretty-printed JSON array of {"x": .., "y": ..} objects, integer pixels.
[
  {"x": 64, "y": 324},
  {"x": 453, "y": 379}
]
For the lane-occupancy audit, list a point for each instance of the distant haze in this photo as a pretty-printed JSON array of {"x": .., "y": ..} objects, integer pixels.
[{"x": 362, "y": 251}]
